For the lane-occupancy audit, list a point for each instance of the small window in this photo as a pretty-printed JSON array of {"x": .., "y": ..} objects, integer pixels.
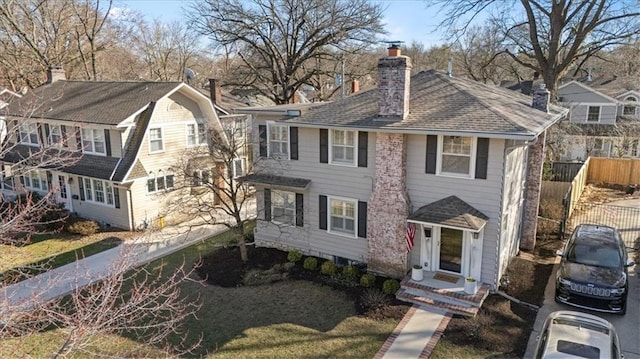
[
  {"x": 35, "y": 180},
  {"x": 159, "y": 183},
  {"x": 343, "y": 147},
  {"x": 456, "y": 155},
  {"x": 55, "y": 135},
  {"x": 93, "y": 141},
  {"x": 283, "y": 207},
  {"x": 629, "y": 108},
  {"x": 29, "y": 133},
  {"x": 593, "y": 114},
  {"x": 342, "y": 216},
  {"x": 278, "y": 141},
  {"x": 195, "y": 134},
  {"x": 238, "y": 167},
  {"x": 155, "y": 140},
  {"x": 200, "y": 178}
]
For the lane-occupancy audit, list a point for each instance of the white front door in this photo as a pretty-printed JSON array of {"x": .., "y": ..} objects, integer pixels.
[
  {"x": 63, "y": 192},
  {"x": 426, "y": 236},
  {"x": 450, "y": 253}
]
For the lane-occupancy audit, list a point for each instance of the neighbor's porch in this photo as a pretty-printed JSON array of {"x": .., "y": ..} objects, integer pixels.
[{"x": 443, "y": 291}]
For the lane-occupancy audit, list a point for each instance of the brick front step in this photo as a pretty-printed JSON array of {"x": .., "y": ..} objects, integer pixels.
[
  {"x": 475, "y": 300},
  {"x": 404, "y": 295}
]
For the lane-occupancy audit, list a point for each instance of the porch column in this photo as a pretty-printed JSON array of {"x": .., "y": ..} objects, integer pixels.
[
  {"x": 535, "y": 163},
  {"x": 388, "y": 208}
]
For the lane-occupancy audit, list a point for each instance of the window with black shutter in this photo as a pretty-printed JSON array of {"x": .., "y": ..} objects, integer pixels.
[
  {"x": 482, "y": 158},
  {"x": 267, "y": 204},
  {"x": 362, "y": 219},
  {"x": 262, "y": 133},
  {"x": 293, "y": 143},
  {"x": 432, "y": 154},
  {"x": 322, "y": 209},
  {"x": 324, "y": 146},
  {"x": 363, "y": 142},
  {"x": 299, "y": 210}
]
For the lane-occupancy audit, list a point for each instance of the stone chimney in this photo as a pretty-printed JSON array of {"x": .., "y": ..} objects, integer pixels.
[
  {"x": 355, "y": 86},
  {"x": 215, "y": 91},
  {"x": 541, "y": 99},
  {"x": 394, "y": 72},
  {"x": 55, "y": 73}
]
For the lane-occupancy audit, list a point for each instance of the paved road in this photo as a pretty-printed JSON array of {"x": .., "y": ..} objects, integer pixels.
[
  {"x": 24, "y": 295},
  {"x": 628, "y": 326}
]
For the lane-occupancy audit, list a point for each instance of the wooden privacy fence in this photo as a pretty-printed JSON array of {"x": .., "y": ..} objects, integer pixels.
[
  {"x": 577, "y": 186},
  {"x": 621, "y": 171}
]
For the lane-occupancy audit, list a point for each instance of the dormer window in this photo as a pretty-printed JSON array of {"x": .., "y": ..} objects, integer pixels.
[
  {"x": 29, "y": 134},
  {"x": 93, "y": 141},
  {"x": 629, "y": 108}
]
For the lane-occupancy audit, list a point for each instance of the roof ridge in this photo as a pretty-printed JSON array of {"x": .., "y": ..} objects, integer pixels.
[{"x": 121, "y": 82}]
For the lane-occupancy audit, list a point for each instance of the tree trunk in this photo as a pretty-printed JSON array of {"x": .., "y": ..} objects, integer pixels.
[{"x": 239, "y": 234}]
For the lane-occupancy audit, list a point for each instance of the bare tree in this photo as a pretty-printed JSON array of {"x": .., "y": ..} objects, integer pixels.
[
  {"x": 551, "y": 36},
  {"x": 91, "y": 19},
  {"x": 278, "y": 39},
  {"x": 481, "y": 54}
]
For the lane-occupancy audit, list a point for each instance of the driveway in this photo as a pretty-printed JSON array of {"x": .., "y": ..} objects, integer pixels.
[{"x": 628, "y": 326}]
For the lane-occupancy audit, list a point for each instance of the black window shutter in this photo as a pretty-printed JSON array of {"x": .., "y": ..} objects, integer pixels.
[
  {"x": 107, "y": 141},
  {"x": 293, "y": 142},
  {"x": 267, "y": 204},
  {"x": 63, "y": 133},
  {"x": 432, "y": 154},
  {"x": 362, "y": 219},
  {"x": 116, "y": 196},
  {"x": 323, "y": 211},
  {"x": 49, "y": 179},
  {"x": 16, "y": 128},
  {"x": 324, "y": 146},
  {"x": 78, "y": 138},
  {"x": 40, "y": 130},
  {"x": 47, "y": 132},
  {"x": 299, "y": 210},
  {"x": 81, "y": 184},
  {"x": 482, "y": 158},
  {"x": 363, "y": 138},
  {"x": 262, "y": 133}
]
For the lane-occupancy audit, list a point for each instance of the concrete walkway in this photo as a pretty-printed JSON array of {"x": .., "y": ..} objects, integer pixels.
[
  {"x": 25, "y": 295},
  {"x": 416, "y": 335}
]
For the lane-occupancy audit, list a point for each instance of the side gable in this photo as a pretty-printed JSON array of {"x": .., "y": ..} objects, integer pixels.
[
  {"x": 132, "y": 147},
  {"x": 576, "y": 92},
  {"x": 624, "y": 95}
]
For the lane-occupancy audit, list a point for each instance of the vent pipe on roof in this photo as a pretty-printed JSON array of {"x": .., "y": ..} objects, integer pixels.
[
  {"x": 589, "y": 74},
  {"x": 450, "y": 67}
]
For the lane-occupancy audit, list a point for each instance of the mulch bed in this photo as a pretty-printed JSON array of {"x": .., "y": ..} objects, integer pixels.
[{"x": 224, "y": 268}]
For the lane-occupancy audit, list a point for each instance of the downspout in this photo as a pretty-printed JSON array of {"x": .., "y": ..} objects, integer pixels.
[{"x": 130, "y": 210}]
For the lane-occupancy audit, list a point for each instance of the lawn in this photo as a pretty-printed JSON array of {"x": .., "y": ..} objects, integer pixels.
[{"x": 287, "y": 319}]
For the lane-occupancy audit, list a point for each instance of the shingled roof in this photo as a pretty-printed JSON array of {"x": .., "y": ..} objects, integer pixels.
[
  {"x": 440, "y": 103},
  {"x": 451, "y": 212},
  {"x": 89, "y": 101}
]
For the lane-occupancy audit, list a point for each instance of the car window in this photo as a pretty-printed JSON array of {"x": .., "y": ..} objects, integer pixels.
[
  {"x": 578, "y": 349},
  {"x": 594, "y": 255}
]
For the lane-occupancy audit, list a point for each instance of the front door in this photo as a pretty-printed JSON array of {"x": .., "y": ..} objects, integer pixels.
[
  {"x": 450, "y": 251},
  {"x": 63, "y": 192}
]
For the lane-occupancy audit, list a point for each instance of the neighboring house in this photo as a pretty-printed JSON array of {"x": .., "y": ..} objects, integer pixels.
[
  {"x": 6, "y": 96},
  {"x": 445, "y": 157},
  {"x": 130, "y": 134},
  {"x": 604, "y": 120}
]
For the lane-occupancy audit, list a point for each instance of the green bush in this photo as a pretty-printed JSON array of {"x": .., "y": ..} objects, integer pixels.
[
  {"x": 310, "y": 263},
  {"x": 368, "y": 280},
  {"x": 328, "y": 268},
  {"x": 294, "y": 256},
  {"x": 350, "y": 272},
  {"x": 83, "y": 227},
  {"x": 288, "y": 266},
  {"x": 390, "y": 286}
]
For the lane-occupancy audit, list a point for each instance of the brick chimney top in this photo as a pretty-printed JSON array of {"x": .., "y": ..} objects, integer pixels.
[
  {"x": 55, "y": 73},
  {"x": 394, "y": 50},
  {"x": 215, "y": 92},
  {"x": 355, "y": 86},
  {"x": 394, "y": 72}
]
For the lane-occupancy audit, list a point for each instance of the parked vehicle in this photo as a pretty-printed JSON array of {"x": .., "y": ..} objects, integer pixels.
[
  {"x": 593, "y": 270},
  {"x": 569, "y": 334}
]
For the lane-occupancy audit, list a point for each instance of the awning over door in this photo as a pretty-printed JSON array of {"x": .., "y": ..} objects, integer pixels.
[
  {"x": 450, "y": 212},
  {"x": 272, "y": 180}
]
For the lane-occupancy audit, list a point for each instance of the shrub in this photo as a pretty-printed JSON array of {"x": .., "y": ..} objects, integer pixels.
[
  {"x": 390, "y": 286},
  {"x": 373, "y": 298},
  {"x": 260, "y": 277},
  {"x": 294, "y": 256},
  {"x": 350, "y": 272},
  {"x": 310, "y": 263},
  {"x": 551, "y": 209},
  {"x": 288, "y": 266},
  {"x": 328, "y": 268},
  {"x": 83, "y": 227},
  {"x": 368, "y": 280}
]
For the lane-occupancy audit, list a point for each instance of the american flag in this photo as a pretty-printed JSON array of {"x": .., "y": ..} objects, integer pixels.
[{"x": 409, "y": 235}]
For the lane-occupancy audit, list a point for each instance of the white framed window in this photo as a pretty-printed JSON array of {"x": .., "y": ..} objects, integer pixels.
[
  {"x": 35, "y": 180},
  {"x": 160, "y": 183},
  {"x": 283, "y": 207},
  {"x": 195, "y": 134},
  {"x": 593, "y": 114},
  {"x": 629, "y": 109},
  {"x": 235, "y": 130},
  {"x": 456, "y": 156},
  {"x": 343, "y": 216},
  {"x": 29, "y": 134},
  {"x": 238, "y": 167},
  {"x": 55, "y": 135},
  {"x": 98, "y": 191},
  {"x": 342, "y": 145},
  {"x": 155, "y": 140},
  {"x": 278, "y": 141},
  {"x": 93, "y": 141},
  {"x": 62, "y": 187},
  {"x": 200, "y": 178}
]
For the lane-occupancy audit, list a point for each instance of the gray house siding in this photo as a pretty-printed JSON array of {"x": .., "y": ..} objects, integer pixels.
[
  {"x": 608, "y": 114},
  {"x": 483, "y": 194},
  {"x": 574, "y": 93},
  {"x": 579, "y": 98}
]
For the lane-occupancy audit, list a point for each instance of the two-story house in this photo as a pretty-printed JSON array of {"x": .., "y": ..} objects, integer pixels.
[
  {"x": 128, "y": 137},
  {"x": 605, "y": 117},
  {"x": 429, "y": 170}
]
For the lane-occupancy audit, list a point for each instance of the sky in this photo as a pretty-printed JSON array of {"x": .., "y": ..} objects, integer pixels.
[{"x": 406, "y": 20}]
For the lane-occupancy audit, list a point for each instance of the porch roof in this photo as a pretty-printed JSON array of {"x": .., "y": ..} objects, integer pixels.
[
  {"x": 450, "y": 212},
  {"x": 277, "y": 180}
]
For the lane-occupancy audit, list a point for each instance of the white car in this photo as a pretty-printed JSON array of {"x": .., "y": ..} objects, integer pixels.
[{"x": 569, "y": 334}]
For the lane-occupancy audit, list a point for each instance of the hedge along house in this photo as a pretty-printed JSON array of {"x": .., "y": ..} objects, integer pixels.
[
  {"x": 129, "y": 135},
  {"x": 431, "y": 169}
]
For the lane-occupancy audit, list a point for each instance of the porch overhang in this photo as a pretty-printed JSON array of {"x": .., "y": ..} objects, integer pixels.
[
  {"x": 451, "y": 212},
  {"x": 272, "y": 180}
]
